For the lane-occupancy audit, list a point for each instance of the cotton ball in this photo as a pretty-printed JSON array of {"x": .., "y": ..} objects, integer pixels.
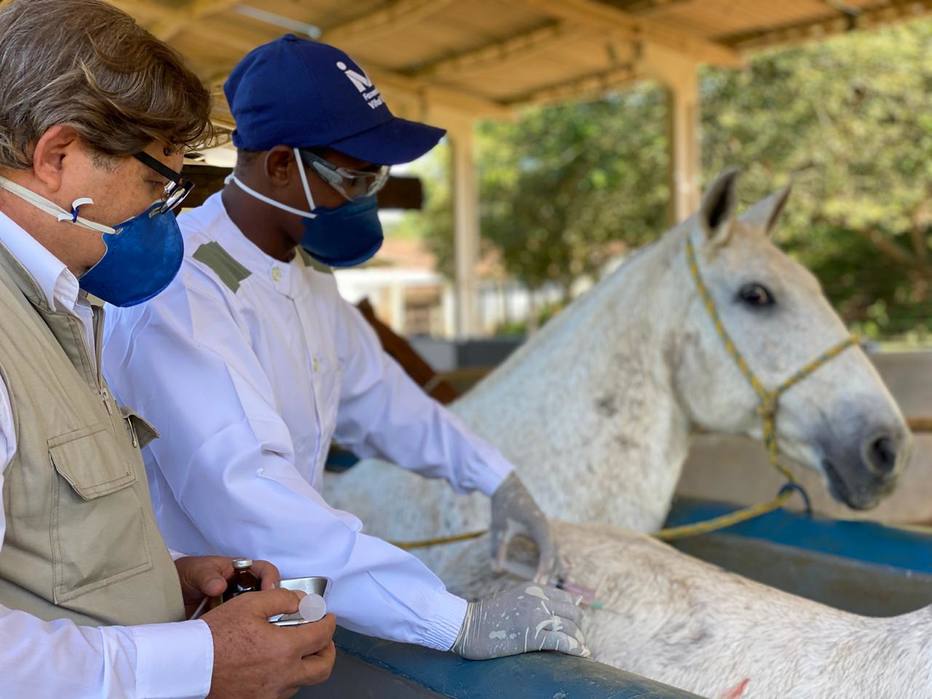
[{"x": 312, "y": 607}]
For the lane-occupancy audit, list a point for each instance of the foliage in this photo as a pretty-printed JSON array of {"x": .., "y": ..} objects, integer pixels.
[
  {"x": 565, "y": 187},
  {"x": 850, "y": 120}
]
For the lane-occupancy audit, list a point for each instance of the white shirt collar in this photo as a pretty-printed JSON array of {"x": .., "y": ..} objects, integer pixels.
[{"x": 54, "y": 279}]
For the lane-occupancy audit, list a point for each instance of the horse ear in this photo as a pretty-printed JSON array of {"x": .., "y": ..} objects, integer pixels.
[
  {"x": 717, "y": 213},
  {"x": 764, "y": 214}
]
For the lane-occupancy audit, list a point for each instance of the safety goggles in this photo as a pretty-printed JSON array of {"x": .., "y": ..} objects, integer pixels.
[
  {"x": 176, "y": 189},
  {"x": 352, "y": 184}
]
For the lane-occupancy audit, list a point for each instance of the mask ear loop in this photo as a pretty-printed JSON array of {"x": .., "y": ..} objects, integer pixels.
[
  {"x": 268, "y": 200},
  {"x": 277, "y": 204},
  {"x": 75, "y": 205},
  {"x": 53, "y": 209},
  {"x": 304, "y": 182},
  {"x": 78, "y": 220}
]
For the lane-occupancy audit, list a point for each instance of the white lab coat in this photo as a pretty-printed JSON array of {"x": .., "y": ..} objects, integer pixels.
[{"x": 248, "y": 381}]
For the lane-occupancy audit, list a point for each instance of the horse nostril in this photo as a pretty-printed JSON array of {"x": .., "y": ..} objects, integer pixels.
[{"x": 882, "y": 455}]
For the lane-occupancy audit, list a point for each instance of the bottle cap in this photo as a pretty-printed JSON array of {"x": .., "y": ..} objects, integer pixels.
[{"x": 242, "y": 563}]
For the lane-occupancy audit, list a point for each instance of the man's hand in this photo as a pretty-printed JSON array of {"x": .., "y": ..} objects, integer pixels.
[
  {"x": 522, "y": 619},
  {"x": 207, "y": 576},
  {"x": 254, "y": 659},
  {"x": 515, "y": 512}
]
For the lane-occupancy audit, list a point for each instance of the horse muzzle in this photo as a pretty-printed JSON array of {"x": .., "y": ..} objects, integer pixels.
[{"x": 861, "y": 472}]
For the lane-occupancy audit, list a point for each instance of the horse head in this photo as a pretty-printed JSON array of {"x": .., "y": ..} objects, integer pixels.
[{"x": 766, "y": 310}]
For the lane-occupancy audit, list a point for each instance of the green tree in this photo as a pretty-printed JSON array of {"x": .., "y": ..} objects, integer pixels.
[
  {"x": 850, "y": 120},
  {"x": 566, "y": 186},
  {"x": 560, "y": 188}
]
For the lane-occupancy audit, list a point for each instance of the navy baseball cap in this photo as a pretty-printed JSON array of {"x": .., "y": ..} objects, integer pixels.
[{"x": 303, "y": 93}]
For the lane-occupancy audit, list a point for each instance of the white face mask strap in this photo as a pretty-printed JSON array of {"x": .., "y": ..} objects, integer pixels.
[
  {"x": 304, "y": 183},
  {"x": 53, "y": 209},
  {"x": 268, "y": 200}
]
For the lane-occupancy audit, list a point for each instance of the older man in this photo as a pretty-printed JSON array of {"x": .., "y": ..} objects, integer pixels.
[{"x": 94, "y": 114}]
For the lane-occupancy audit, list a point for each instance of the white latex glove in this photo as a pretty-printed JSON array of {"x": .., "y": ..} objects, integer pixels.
[
  {"x": 515, "y": 512},
  {"x": 522, "y": 619}
]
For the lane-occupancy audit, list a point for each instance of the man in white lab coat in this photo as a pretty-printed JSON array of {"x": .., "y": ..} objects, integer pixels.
[{"x": 250, "y": 363}]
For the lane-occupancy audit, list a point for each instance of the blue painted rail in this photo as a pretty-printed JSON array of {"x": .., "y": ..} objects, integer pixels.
[
  {"x": 870, "y": 542},
  {"x": 862, "y": 567},
  {"x": 368, "y": 667}
]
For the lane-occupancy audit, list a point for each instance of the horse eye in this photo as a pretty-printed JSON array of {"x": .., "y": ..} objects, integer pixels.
[{"x": 756, "y": 296}]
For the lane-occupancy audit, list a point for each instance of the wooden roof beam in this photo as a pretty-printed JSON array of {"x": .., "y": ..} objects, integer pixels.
[
  {"x": 398, "y": 85},
  {"x": 605, "y": 17},
  {"x": 873, "y": 16},
  {"x": 418, "y": 99},
  {"x": 453, "y": 99},
  {"x": 393, "y": 17},
  {"x": 589, "y": 85},
  {"x": 173, "y": 22},
  {"x": 493, "y": 54},
  {"x": 400, "y": 192},
  {"x": 648, "y": 6}
]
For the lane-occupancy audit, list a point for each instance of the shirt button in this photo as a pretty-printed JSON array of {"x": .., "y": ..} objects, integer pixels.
[
  {"x": 276, "y": 274},
  {"x": 315, "y": 364}
]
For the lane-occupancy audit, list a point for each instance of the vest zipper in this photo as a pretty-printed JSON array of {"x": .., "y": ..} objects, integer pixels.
[{"x": 98, "y": 342}]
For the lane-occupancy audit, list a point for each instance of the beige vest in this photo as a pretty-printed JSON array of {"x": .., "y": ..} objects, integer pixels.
[{"x": 81, "y": 540}]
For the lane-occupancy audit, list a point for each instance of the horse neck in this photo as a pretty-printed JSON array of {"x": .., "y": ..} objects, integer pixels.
[{"x": 591, "y": 398}]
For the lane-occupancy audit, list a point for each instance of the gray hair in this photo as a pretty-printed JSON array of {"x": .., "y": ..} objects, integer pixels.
[{"x": 87, "y": 64}]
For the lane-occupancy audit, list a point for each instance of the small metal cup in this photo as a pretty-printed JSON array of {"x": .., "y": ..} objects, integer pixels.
[{"x": 315, "y": 584}]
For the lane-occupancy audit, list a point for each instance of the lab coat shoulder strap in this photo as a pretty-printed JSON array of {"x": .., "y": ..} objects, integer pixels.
[
  {"x": 221, "y": 263},
  {"x": 312, "y": 263}
]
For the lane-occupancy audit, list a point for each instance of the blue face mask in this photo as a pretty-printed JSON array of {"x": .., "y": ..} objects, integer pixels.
[
  {"x": 143, "y": 254},
  {"x": 342, "y": 236},
  {"x": 142, "y": 258}
]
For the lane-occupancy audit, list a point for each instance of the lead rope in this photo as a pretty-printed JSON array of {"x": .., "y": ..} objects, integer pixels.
[{"x": 766, "y": 410}]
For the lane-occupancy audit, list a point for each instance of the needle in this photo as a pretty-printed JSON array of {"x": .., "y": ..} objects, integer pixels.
[{"x": 200, "y": 608}]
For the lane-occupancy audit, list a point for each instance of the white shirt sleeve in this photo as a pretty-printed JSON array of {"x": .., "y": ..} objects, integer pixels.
[
  {"x": 383, "y": 412},
  {"x": 7, "y": 445},
  {"x": 228, "y": 461},
  {"x": 60, "y": 659}
]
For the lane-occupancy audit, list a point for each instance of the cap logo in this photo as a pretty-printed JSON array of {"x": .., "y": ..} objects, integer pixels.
[{"x": 363, "y": 85}]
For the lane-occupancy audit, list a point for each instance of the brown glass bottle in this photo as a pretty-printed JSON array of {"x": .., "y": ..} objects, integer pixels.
[{"x": 243, "y": 580}]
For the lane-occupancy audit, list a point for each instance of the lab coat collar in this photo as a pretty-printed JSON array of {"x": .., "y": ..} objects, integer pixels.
[{"x": 279, "y": 275}]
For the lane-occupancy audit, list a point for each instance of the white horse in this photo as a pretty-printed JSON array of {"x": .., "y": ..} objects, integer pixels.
[
  {"x": 597, "y": 408},
  {"x": 596, "y": 412},
  {"x": 670, "y": 617}
]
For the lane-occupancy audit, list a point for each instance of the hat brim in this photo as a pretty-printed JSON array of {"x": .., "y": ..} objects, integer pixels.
[{"x": 391, "y": 143}]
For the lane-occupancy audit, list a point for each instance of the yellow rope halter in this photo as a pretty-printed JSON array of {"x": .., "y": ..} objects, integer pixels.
[{"x": 767, "y": 410}]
